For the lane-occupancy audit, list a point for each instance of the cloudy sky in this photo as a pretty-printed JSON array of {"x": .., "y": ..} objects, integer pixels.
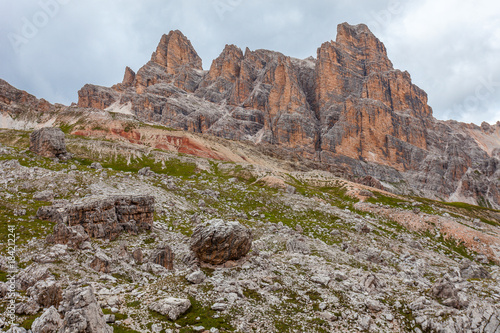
[{"x": 51, "y": 48}]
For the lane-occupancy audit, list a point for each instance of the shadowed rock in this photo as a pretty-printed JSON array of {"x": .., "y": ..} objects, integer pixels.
[
  {"x": 216, "y": 241},
  {"x": 49, "y": 142}
]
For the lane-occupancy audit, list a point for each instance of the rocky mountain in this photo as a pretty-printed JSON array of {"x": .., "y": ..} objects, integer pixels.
[{"x": 348, "y": 108}]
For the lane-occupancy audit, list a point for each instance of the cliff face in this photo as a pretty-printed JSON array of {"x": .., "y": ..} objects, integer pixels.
[{"x": 348, "y": 109}]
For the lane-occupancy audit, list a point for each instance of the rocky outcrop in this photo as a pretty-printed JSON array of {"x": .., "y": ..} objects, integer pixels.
[
  {"x": 164, "y": 256},
  {"x": 105, "y": 217},
  {"x": 49, "y": 142},
  {"x": 217, "y": 241}
]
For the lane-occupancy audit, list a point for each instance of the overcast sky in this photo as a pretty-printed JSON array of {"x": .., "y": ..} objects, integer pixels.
[{"x": 51, "y": 48}]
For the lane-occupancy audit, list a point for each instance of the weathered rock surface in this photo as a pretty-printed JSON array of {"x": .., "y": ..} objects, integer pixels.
[
  {"x": 82, "y": 314},
  {"x": 49, "y": 142},
  {"x": 171, "y": 307},
  {"x": 102, "y": 217},
  {"x": 101, "y": 263},
  {"x": 49, "y": 322},
  {"x": 217, "y": 241},
  {"x": 164, "y": 256}
]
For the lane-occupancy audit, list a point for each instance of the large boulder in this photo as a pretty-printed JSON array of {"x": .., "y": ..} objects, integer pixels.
[
  {"x": 49, "y": 322},
  {"x": 49, "y": 142},
  {"x": 82, "y": 314},
  {"x": 171, "y": 307},
  {"x": 217, "y": 241}
]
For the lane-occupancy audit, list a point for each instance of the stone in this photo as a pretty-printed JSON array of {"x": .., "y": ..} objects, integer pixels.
[
  {"x": 164, "y": 256},
  {"x": 46, "y": 195},
  {"x": 374, "y": 305},
  {"x": 101, "y": 263},
  {"x": 470, "y": 270},
  {"x": 298, "y": 245},
  {"x": 171, "y": 307},
  {"x": 196, "y": 277},
  {"x": 104, "y": 217},
  {"x": 46, "y": 293},
  {"x": 219, "y": 306},
  {"x": 82, "y": 314},
  {"x": 49, "y": 322},
  {"x": 445, "y": 291},
  {"x": 216, "y": 241},
  {"x": 73, "y": 237},
  {"x": 138, "y": 256},
  {"x": 96, "y": 165},
  {"x": 49, "y": 142}
]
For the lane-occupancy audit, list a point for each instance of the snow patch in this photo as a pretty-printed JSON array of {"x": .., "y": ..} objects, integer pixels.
[{"x": 120, "y": 108}]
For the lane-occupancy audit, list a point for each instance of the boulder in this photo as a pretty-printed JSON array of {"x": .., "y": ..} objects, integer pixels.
[
  {"x": 101, "y": 263},
  {"x": 49, "y": 322},
  {"x": 49, "y": 142},
  {"x": 470, "y": 270},
  {"x": 216, "y": 241},
  {"x": 82, "y": 314},
  {"x": 298, "y": 245},
  {"x": 171, "y": 307}
]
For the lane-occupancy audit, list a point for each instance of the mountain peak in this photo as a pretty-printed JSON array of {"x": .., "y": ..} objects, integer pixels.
[{"x": 175, "y": 51}]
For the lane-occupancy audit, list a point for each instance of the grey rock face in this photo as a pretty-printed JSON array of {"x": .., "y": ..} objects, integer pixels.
[
  {"x": 49, "y": 322},
  {"x": 82, "y": 314},
  {"x": 217, "y": 241},
  {"x": 171, "y": 307},
  {"x": 49, "y": 142}
]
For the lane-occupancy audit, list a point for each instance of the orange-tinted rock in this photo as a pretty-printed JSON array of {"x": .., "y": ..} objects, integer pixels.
[
  {"x": 174, "y": 61},
  {"x": 128, "y": 77},
  {"x": 91, "y": 96}
]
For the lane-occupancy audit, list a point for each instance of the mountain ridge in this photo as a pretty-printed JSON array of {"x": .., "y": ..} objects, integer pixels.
[{"x": 348, "y": 108}]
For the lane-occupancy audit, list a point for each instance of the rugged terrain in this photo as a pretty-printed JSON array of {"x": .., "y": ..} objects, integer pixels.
[
  {"x": 327, "y": 255},
  {"x": 268, "y": 194}
]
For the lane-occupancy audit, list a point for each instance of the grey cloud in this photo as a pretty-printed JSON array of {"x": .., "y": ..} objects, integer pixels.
[{"x": 448, "y": 50}]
